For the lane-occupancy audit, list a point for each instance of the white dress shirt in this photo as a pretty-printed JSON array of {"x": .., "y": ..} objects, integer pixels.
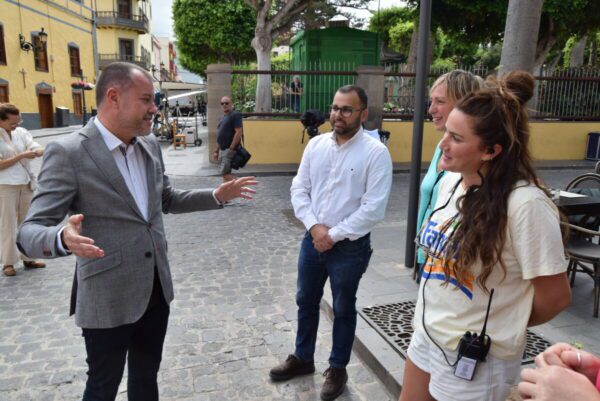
[
  {"x": 19, "y": 141},
  {"x": 131, "y": 164},
  {"x": 345, "y": 187}
]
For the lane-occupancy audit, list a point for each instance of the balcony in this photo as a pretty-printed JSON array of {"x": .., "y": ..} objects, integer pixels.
[
  {"x": 107, "y": 58},
  {"x": 114, "y": 19}
]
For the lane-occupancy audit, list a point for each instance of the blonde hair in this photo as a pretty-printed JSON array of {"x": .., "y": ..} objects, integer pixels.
[{"x": 458, "y": 84}]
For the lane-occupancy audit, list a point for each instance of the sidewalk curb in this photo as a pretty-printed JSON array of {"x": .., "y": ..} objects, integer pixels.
[{"x": 374, "y": 351}]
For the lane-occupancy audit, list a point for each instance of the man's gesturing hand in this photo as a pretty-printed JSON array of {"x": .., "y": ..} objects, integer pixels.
[
  {"x": 81, "y": 246},
  {"x": 237, "y": 188},
  {"x": 321, "y": 239}
]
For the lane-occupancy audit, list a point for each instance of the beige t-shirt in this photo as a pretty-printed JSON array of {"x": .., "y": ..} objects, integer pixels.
[{"x": 533, "y": 248}]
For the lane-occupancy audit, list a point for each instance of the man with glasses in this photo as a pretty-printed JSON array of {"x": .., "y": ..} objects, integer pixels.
[
  {"x": 229, "y": 136},
  {"x": 340, "y": 193}
]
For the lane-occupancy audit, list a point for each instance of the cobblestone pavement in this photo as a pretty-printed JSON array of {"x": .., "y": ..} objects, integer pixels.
[{"x": 233, "y": 317}]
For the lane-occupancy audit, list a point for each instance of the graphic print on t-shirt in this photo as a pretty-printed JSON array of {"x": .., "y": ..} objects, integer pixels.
[{"x": 435, "y": 241}]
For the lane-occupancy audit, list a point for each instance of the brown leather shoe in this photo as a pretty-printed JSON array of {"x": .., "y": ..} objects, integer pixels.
[
  {"x": 33, "y": 264},
  {"x": 292, "y": 367},
  {"x": 335, "y": 383},
  {"x": 9, "y": 270}
]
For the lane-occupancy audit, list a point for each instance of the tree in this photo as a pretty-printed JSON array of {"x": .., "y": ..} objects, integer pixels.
[
  {"x": 520, "y": 35},
  {"x": 273, "y": 19},
  {"x": 211, "y": 31}
]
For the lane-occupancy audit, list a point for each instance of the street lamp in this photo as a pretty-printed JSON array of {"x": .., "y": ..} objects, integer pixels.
[
  {"x": 160, "y": 77},
  {"x": 27, "y": 46}
]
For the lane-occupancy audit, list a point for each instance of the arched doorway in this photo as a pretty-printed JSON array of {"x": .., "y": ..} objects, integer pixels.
[{"x": 45, "y": 107}]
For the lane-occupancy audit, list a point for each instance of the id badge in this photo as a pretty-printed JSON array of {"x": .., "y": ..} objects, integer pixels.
[{"x": 465, "y": 368}]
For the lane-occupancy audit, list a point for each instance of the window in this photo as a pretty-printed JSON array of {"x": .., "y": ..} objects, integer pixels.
[
  {"x": 40, "y": 54},
  {"x": 74, "y": 59},
  {"x": 3, "y": 93},
  {"x": 2, "y": 47},
  {"x": 77, "y": 104}
]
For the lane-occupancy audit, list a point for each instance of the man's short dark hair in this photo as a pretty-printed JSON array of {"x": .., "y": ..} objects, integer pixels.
[
  {"x": 362, "y": 95},
  {"x": 7, "y": 109},
  {"x": 119, "y": 74}
]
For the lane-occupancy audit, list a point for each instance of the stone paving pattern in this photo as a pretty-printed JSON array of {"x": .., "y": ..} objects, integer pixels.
[{"x": 233, "y": 318}]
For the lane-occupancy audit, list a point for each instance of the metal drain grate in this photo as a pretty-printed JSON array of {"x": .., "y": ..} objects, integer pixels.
[{"x": 394, "y": 323}]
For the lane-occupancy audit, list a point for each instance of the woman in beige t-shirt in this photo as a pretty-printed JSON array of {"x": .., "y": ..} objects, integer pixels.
[
  {"x": 492, "y": 228},
  {"x": 16, "y": 149}
]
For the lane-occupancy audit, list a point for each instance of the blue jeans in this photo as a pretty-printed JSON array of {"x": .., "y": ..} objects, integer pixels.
[{"x": 344, "y": 264}]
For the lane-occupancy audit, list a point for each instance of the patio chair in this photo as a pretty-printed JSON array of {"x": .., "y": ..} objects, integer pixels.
[
  {"x": 586, "y": 184},
  {"x": 582, "y": 247},
  {"x": 583, "y": 252}
]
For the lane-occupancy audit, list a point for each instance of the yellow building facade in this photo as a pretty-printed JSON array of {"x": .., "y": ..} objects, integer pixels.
[
  {"x": 37, "y": 76},
  {"x": 124, "y": 32}
]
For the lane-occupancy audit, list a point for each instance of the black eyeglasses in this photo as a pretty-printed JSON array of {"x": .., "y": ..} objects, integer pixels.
[
  {"x": 224, "y": 103},
  {"x": 345, "y": 111}
]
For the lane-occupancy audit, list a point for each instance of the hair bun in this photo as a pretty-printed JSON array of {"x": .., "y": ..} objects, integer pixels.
[{"x": 519, "y": 83}]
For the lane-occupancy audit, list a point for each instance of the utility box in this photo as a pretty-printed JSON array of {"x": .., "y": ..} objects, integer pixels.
[
  {"x": 62, "y": 117},
  {"x": 337, "y": 48},
  {"x": 592, "y": 148}
]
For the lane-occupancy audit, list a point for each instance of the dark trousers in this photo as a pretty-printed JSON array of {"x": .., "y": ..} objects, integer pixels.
[
  {"x": 141, "y": 342},
  {"x": 344, "y": 265}
]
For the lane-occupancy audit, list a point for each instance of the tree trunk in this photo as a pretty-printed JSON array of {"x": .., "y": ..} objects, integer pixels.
[
  {"x": 576, "y": 59},
  {"x": 262, "y": 45},
  {"x": 593, "y": 60},
  {"x": 520, "y": 35},
  {"x": 544, "y": 45}
]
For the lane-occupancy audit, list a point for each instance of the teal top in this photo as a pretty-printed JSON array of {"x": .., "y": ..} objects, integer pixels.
[{"x": 428, "y": 196}]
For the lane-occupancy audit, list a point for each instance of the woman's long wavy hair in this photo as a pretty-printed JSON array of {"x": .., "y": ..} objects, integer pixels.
[{"x": 498, "y": 115}]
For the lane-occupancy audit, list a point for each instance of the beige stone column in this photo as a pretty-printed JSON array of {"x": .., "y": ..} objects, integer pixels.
[
  {"x": 219, "y": 85},
  {"x": 372, "y": 80}
]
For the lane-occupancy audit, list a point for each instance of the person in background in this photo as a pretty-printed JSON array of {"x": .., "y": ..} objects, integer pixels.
[
  {"x": 445, "y": 92},
  {"x": 340, "y": 193},
  {"x": 563, "y": 373},
  {"x": 495, "y": 253},
  {"x": 229, "y": 135},
  {"x": 296, "y": 90},
  {"x": 17, "y": 180}
]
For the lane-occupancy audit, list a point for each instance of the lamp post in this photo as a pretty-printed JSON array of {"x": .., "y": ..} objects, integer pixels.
[
  {"x": 83, "y": 98},
  {"x": 160, "y": 76}
]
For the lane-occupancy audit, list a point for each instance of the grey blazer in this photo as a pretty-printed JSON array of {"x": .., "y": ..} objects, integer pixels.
[{"x": 79, "y": 175}]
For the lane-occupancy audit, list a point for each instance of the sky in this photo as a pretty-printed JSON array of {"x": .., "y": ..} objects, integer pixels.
[{"x": 162, "y": 23}]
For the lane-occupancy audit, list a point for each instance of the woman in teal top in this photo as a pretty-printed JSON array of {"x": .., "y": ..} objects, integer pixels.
[{"x": 445, "y": 92}]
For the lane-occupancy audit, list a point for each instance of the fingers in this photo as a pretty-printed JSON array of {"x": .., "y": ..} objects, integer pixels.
[
  {"x": 79, "y": 245},
  {"x": 526, "y": 390}
]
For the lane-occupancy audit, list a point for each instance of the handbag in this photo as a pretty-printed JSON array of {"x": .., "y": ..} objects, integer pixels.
[{"x": 241, "y": 157}]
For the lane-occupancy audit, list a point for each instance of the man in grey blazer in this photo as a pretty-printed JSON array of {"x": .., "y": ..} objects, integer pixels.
[{"x": 109, "y": 178}]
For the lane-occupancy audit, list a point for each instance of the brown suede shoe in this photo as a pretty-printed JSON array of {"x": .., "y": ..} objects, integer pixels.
[
  {"x": 33, "y": 264},
  {"x": 292, "y": 367},
  {"x": 9, "y": 270},
  {"x": 335, "y": 383}
]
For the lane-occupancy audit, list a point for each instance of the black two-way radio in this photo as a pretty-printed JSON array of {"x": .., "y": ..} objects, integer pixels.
[{"x": 473, "y": 348}]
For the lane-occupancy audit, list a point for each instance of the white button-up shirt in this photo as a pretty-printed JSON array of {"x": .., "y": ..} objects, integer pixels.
[
  {"x": 19, "y": 141},
  {"x": 131, "y": 164},
  {"x": 345, "y": 187}
]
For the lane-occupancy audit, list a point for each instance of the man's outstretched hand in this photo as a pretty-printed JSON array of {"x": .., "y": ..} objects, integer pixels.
[
  {"x": 238, "y": 188},
  {"x": 79, "y": 245}
]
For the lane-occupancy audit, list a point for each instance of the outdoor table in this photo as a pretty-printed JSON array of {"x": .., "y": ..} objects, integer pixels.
[{"x": 574, "y": 204}]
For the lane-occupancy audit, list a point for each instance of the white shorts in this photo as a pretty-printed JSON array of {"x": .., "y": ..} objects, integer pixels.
[{"x": 493, "y": 379}]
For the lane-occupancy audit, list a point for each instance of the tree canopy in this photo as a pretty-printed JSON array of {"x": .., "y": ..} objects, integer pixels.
[{"x": 211, "y": 31}]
